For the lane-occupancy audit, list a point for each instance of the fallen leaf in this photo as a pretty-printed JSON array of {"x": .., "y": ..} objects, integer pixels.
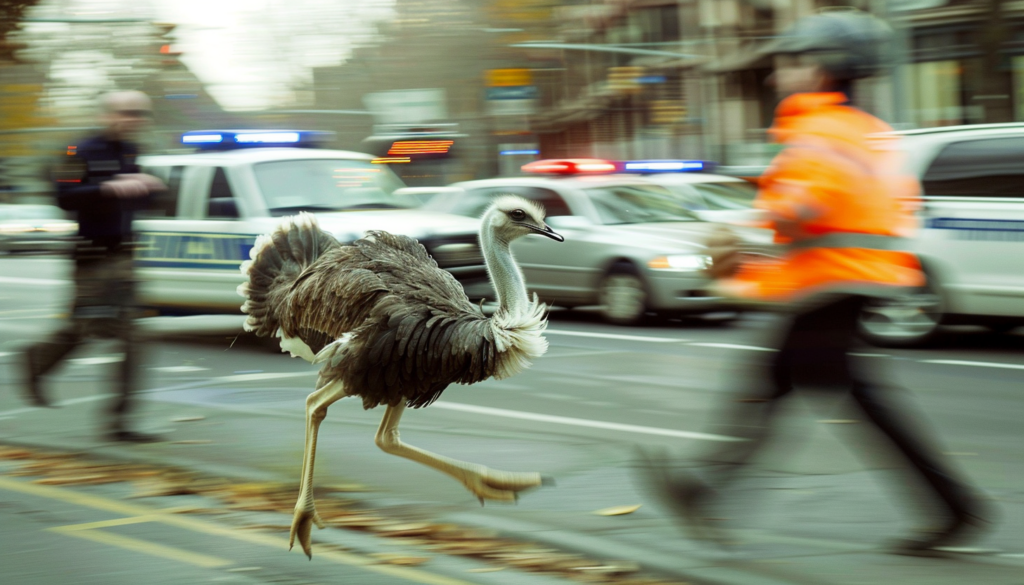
[
  {"x": 187, "y": 418},
  {"x": 485, "y": 570},
  {"x": 399, "y": 559},
  {"x": 345, "y": 487},
  {"x": 618, "y": 510}
]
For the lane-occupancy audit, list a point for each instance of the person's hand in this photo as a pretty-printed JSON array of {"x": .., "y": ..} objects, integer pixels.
[
  {"x": 131, "y": 186},
  {"x": 154, "y": 184}
]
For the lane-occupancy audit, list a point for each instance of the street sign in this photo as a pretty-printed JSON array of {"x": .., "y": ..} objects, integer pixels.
[
  {"x": 509, "y": 77},
  {"x": 520, "y": 92}
]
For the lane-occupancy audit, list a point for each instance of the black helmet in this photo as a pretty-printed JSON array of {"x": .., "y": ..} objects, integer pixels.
[{"x": 848, "y": 44}]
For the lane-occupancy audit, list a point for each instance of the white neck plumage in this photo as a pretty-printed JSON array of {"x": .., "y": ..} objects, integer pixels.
[
  {"x": 519, "y": 322},
  {"x": 504, "y": 272}
]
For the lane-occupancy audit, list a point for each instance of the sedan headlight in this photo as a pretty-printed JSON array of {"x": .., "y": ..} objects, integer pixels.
[{"x": 681, "y": 263}]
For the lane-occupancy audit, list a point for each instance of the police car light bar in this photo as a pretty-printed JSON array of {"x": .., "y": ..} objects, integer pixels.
[
  {"x": 267, "y": 137},
  {"x": 569, "y": 166},
  {"x": 231, "y": 139},
  {"x": 664, "y": 166}
]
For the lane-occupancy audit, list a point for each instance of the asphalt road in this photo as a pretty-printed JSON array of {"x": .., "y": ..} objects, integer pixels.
[{"x": 812, "y": 506}]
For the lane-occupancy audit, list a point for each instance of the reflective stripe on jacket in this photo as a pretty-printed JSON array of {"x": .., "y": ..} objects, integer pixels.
[{"x": 839, "y": 201}]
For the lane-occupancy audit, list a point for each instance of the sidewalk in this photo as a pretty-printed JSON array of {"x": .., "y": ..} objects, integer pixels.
[{"x": 797, "y": 529}]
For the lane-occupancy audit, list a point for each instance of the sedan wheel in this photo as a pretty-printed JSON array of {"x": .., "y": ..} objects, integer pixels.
[
  {"x": 905, "y": 321},
  {"x": 623, "y": 298}
]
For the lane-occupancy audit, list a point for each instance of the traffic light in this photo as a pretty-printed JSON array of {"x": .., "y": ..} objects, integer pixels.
[
  {"x": 667, "y": 112},
  {"x": 625, "y": 79}
]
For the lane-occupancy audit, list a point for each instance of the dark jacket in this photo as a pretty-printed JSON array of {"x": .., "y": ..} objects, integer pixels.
[{"x": 103, "y": 219}]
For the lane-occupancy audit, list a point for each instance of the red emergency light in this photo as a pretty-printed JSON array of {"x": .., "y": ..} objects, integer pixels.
[{"x": 570, "y": 166}]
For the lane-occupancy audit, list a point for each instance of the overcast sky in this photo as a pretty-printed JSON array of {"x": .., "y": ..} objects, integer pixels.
[{"x": 249, "y": 53}]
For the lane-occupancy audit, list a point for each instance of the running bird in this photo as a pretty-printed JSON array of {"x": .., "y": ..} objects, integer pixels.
[{"x": 389, "y": 326}]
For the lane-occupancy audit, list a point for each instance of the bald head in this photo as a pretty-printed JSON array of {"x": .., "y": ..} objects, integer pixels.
[{"x": 125, "y": 113}]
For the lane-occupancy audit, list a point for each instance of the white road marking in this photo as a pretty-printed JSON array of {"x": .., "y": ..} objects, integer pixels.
[
  {"x": 33, "y": 281},
  {"x": 94, "y": 361},
  {"x": 579, "y": 422},
  {"x": 732, "y": 346},
  {"x": 179, "y": 369},
  {"x": 614, "y": 336},
  {"x": 976, "y": 364}
]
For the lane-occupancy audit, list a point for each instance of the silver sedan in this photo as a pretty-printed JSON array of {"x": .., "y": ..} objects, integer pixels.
[{"x": 630, "y": 245}]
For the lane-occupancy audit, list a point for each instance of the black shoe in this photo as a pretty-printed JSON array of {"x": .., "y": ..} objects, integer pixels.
[
  {"x": 689, "y": 498},
  {"x": 123, "y": 436},
  {"x": 33, "y": 385},
  {"x": 935, "y": 542}
]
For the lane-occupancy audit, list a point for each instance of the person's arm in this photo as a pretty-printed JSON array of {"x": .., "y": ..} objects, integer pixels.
[{"x": 74, "y": 191}]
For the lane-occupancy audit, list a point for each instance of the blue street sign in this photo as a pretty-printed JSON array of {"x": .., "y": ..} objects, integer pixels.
[{"x": 515, "y": 92}]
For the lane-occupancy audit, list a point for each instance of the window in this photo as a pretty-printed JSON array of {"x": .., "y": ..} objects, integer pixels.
[
  {"x": 978, "y": 168},
  {"x": 638, "y": 204},
  {"x": 476, "y": 201},
  {"x": 222, "y": 201},
  {"x": 727, "y": 195},
  {"x": 473, "y": 203},
  {"x": 291, "y": 186}
]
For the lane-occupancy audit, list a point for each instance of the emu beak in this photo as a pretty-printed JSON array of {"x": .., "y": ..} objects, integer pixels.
[{"x": 547, "y": 231}]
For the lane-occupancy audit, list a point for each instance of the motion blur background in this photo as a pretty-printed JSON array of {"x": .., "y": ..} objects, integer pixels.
[{"x": 619, "y": 79}]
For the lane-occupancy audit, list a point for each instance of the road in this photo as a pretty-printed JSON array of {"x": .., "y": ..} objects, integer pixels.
[{"x": 812, "y": 512}]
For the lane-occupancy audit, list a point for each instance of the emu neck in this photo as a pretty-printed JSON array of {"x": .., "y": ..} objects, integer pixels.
[{"x": 504, "y": 273}]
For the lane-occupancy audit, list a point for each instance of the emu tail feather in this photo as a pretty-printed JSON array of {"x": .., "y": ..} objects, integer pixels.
[{"x": 277, "y": 260}]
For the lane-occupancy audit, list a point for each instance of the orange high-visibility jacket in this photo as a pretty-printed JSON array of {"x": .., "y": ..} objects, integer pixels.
[{"x": 835, "y": 182}]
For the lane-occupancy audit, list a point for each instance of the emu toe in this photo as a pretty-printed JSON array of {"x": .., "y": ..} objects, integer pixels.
[{"x": 302, "y": 526}]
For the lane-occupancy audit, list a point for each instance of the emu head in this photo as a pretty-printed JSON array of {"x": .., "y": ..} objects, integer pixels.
[{"x": 511, "y": 217}]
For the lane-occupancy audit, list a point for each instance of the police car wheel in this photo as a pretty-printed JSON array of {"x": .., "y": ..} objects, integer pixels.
[
  {"x": 623, "y": 296},
  {"x": 911, "y": 320}
]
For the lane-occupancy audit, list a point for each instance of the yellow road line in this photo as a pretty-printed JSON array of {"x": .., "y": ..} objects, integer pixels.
[
  {"x": 109, "y": 523},
  {"x": 142, "y": 546},
  {"x": 195, "y": 525}
]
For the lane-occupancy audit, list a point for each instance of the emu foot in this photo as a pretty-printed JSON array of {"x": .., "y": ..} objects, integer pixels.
[{"x": 302, "y": 525}]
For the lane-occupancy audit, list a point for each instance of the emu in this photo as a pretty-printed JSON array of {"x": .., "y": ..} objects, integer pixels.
[{"x": 389, "y": 326}]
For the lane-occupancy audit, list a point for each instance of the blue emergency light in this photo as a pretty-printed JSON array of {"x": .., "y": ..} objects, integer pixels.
[
  {"x": 235, "y": 139},
  {"x": 665, "y": 166}
]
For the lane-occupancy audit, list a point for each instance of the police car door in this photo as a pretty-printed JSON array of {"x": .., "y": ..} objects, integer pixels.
[
  {"x": 192, "y": 262},
  {"x": 974, "y": 224}
]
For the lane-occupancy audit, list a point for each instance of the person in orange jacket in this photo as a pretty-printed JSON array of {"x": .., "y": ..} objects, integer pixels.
[{"x": 841, "y": 207}]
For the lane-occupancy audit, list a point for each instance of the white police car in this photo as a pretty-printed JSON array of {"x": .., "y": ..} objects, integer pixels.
[
  {"x": 241, "y": 183},
  {"x": 972, "y": 236}
]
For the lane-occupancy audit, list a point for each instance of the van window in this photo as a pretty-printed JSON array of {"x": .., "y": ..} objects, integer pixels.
[
  {"x": 223, "y": 204},
  {"x": 992, "y": 167}
]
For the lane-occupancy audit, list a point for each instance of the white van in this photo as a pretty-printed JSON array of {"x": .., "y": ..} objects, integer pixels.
[{"x": 971, "y": 239}]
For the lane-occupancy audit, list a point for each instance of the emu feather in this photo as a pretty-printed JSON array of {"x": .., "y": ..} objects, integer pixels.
[{"x": 385, "y": 324}]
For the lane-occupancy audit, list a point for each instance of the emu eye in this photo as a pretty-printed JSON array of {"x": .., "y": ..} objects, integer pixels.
[{"x": 517, "y": 214}]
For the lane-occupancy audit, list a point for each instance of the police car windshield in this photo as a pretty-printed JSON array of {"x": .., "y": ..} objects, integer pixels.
[
  {"x": 727, "y": 195},
  {"x": 290, "y": 186},
  {"x": 637, "y": 204}
]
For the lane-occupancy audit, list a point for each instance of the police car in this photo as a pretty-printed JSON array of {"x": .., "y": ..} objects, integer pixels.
[
  {"x": 972, "y": 236},
  {"x": 631, "y": 246},
  {"x": 239, "y": 184}
]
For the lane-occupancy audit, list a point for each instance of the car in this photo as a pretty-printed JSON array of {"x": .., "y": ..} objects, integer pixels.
[
  {"x": 709, "y": 196},
  {"x": 631, "y": 246},
  {"x": 241, "y": 183},
  {"x": 971, "y": 241},
  {"x": 35, "y": 228}
]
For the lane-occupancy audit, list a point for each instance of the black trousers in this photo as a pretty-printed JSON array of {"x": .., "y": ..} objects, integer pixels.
[
  {"x": 814, "y": 354},
  {"x": 104, "y": 306}
]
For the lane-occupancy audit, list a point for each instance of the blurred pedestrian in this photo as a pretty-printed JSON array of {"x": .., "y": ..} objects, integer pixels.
[
  {"x": 100, "y": 181},
  {"x": 840, "y": 206}
]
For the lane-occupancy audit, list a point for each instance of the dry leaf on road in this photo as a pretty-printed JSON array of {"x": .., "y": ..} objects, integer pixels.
[{"x": 618, "y": 510}]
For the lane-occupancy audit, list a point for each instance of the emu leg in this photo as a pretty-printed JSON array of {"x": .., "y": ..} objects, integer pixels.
[
  {"x": 486, "y": 484},
  {"x": 305, "y": 509}
]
